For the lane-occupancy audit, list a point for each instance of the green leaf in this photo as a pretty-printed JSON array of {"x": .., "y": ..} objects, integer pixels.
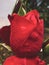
[
  {"x": 6, "y": 46},
  {"x": 0, "y": 64},
  {"x": 46, "y": 50},
  {"x": 47, "y": 64},
  {"x": 21, "y": 11}
]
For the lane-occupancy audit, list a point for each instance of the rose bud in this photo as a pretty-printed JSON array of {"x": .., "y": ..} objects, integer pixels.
[{"x": 27, "y": 33}]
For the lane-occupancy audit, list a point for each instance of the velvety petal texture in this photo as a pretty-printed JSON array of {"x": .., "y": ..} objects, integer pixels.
[
  {"x": 5, "y": 34},
  {"x": 13, "y": 60},
  {"x": 26, "y": 33},
  {"x": 25, "y": 36}
]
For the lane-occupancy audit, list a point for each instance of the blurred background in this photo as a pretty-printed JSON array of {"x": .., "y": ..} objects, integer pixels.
[
  {"x": 22, "y": 7},
  {"x": 6, "y": 7}
]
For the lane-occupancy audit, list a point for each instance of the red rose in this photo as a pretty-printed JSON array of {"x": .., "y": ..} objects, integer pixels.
[
  {"x": 5, "y": 34},
  {"x": 13, "y": 60},
  {"x": 27, "y": 32},
  {"x": 40, "y": 62}
]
